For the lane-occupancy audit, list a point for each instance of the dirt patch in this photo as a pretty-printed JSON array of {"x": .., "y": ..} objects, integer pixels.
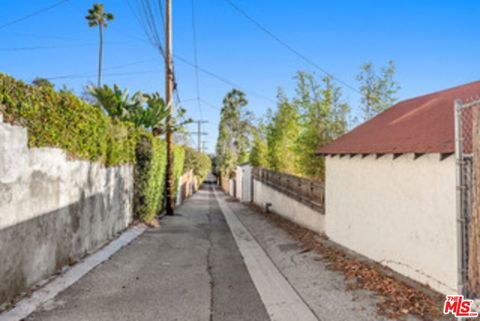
[{"x": 397, "y": 299}]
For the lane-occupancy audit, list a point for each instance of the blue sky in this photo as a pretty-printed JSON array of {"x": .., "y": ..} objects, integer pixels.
[{"x": 435, "y": 45}]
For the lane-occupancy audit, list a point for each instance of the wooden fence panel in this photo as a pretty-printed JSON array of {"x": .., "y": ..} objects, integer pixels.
[{"x": 308, "y": 192}]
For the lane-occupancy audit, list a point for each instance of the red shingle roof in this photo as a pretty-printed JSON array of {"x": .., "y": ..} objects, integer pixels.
[{"x": 420, "y": 125}]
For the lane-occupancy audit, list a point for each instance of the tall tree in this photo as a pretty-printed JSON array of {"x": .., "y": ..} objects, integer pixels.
[
  {"x": 378, "y": 89},
  {"x": 323, "y": 117},
  {"x": 258, "y": 153},
  {"x": 234, "y": 132},
  {"x": 282, "y": 136},
  {"x": 98, "y": 17}
]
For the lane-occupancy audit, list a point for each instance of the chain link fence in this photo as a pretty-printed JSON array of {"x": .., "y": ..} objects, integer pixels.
[{"x": 464, "y": 147}]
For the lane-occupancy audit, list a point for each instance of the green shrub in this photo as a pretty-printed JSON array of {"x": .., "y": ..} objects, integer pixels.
[
  {"x": 149, "y": 176},
  {"x": 60, "y": 119},
  {"x": 178, "y": 160},
  {"x": 200, "y": 163},
  {"x": 121, "y": 142}
]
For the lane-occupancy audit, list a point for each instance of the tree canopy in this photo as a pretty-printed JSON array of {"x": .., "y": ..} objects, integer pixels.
[
  {"x": 287, "y": 137},
  {"x": 234, "y": 132},
  {"x": 378, "y": 89}
]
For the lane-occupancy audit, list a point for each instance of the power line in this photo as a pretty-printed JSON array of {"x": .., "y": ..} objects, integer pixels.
[
  {"x": 130, "y": 64},
  {"x": 33, "y": 14},
  {"x": 39, "y": 36},
  {"x": 77, "y": 76},
  {"x": 46, "y": 47},
  {"x": 148, "y": 21},
  {"x": 195, "y": 55},
  {"x": 222, "y": 79},
  {"x": 58, "y": 46},
  {"x": 204, "y": 146},
  {"x": 162, "y": 15},
  {"x": 206, "y": 103},
  {"x": 210, "y": 104},
  {"x": 289, "y": 47},
  {"x": 199, "y": 133}
]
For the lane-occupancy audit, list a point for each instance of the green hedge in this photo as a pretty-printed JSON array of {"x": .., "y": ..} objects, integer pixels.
[
  {"x": 150, "y": 171},
  {"x": 59, "y": 119},
  {"x": 149, "y": 176},
  {"x": 200, "y": 163},
  {"x": 178, "y": 160}
]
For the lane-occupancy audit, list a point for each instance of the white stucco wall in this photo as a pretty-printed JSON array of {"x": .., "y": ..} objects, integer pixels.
[
  {"x": 400, "y": 212},
  {"x": 53, "y": 210},
  {"x": 239, "y": 182},
  {"x": 287, "y": 207},
  {"x": 244, "y": 182}
]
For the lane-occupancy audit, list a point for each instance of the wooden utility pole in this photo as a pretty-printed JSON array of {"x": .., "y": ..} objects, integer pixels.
[{"x": 170, "y": 193}]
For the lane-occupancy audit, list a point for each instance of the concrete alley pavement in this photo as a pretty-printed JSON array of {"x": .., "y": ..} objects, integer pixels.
[
  {"x": 193, "y": 268},
  {"x": 186, "y": 269}
]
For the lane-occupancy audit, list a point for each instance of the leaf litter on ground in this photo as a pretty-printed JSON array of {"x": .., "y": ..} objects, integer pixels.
[{"x": 396, "y": 298}]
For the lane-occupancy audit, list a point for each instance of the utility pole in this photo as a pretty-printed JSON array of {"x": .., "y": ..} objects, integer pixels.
[
  {"x": 169, "y": 195},
  {"x": 199, "y": 133}
]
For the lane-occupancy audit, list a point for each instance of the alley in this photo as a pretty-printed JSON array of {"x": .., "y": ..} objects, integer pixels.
[{"x": 193, "y": 268}]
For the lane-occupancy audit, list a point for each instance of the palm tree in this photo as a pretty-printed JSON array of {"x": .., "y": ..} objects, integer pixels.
[
  {"x": 156, "y": 112},
  {"x": 98, "y": 17},
  {"x": 148, "y": 111}
]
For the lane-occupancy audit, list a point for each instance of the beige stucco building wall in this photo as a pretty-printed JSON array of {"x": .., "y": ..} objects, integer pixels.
[
  {"x": 400, "y": 212},
  {"x": 288, "y": 207}
]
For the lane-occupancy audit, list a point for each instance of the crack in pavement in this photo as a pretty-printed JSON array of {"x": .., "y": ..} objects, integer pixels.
[{"x": 209, "y": 253}]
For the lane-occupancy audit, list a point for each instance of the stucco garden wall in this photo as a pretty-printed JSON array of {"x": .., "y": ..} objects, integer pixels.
[
  {"x": 53, "y": 210},
  {"x": 400, "y": 212},
  {"x": 244, "y": 183},
  {"x": 288, "y": 207}
]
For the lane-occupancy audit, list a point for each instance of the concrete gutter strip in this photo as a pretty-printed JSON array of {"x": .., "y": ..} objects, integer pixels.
[
  {"x": 28, "y": 305},
  {"x": 281, "y": 301}
]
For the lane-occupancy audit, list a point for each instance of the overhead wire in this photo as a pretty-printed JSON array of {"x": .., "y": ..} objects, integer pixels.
[
  {"x": 222, "y": 79},
  {"x": 195, "y": 61},
  {"x": 148, "y": 21},
  {"x": 210, "y": 104},
  {"x": 79, "y": 45},
  {"x": 33, "y": 14},
  {"x": 288, "y": 46},
  {"x": 79, "y": 76}
]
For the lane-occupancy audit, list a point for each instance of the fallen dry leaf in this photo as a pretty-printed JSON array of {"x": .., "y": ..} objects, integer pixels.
[{"x": 397, "y": 299}]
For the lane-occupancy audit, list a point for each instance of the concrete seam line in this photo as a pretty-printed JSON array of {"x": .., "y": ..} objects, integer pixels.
[
  {"x": 281, "y": 301},
  {"x": 28, "y": 305},
  {"x": 273, "y": 262}
]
